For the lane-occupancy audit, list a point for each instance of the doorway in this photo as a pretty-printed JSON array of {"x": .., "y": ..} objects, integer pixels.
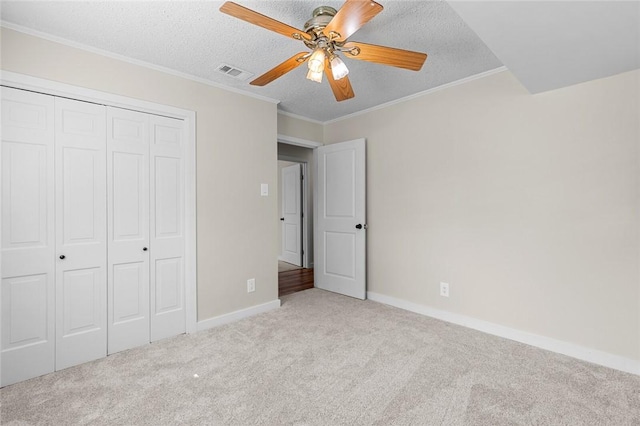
[
  {"x": 295, "y": 217},
  {"x": 291, "y": 206}
]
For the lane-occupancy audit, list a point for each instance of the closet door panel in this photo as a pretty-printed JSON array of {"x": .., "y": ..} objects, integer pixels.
[
  {"x": 81, "y": 232},
  {"x": 28, "y": 266},
  {"x": 168, "y": 197},
  {"x": 168, "y": 287},
  {"x": 167, "y": 228},
  {"x": 129, "y": 293},
  {"x": 128, "y": 183},
  {"x": 25, "y": 213},
  {"x": 130, "y": 305},
  {"x": 128, "y": 217}
]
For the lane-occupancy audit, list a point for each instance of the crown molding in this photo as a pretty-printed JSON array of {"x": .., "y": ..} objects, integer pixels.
[
  {"x": 300, "y": 117},
  {"x": 421, "y": 94},
  {"x": 165, "y": 70}
]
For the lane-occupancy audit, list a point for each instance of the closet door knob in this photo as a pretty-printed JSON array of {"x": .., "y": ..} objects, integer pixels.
[
  {"x": 144, "y": 249},
  {"x": 62, "y": 256}
]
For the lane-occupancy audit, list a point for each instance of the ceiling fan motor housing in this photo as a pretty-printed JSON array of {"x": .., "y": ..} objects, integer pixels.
[{"x": 321, "y": 17}]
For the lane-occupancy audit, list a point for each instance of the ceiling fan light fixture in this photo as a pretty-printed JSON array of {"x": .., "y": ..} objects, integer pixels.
[
  {"x": 315, "y": 76},
  {"x": 316, "y": 61},
  {"x": 338, "y": 68},
  {"x": 324, "y": 35}
]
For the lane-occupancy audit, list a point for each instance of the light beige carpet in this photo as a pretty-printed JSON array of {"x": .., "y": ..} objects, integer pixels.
[
  {"x": 285, "y": 266},
  {"x": 324, "y": 359}
]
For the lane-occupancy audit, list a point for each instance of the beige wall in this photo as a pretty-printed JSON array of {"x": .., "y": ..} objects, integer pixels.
[
  {"x": 298, "y": 128},
  {"x": 528, "y": 206},
  {"x": 235, "y": 225}
]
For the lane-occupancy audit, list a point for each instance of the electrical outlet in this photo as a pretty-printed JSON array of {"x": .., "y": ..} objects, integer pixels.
[
  {"x": 444, "y": 289},
  {"x": 251, "y": 285}
]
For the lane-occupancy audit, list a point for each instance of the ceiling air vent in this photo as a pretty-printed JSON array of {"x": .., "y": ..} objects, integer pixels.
[{"x": 234, "y": 72}]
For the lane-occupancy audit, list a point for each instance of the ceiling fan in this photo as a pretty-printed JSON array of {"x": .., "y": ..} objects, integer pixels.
[{"x": 326, "y": 34}]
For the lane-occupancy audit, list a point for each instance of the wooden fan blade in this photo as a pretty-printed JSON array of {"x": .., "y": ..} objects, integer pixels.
[
  {"x": 241, "y": 12},
  {"x": 292, "y": 63},
  {"x": 351, "y": 16},
  {"x": 342, "y": 89},
  {"x": 385, "y": 55}
]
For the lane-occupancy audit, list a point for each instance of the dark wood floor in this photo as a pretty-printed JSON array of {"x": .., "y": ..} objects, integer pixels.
[{"x": 293, "y": 281}]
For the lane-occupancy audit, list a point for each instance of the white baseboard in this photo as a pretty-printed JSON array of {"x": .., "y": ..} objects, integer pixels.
[
  {"x": 237, "y": 315},
  {"x": 575, "y": 351}
]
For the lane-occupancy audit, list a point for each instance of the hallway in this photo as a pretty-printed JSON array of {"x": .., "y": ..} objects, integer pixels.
[{"x": 291, "y": 280}]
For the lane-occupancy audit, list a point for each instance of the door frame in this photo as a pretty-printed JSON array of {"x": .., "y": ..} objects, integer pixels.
[
  {"x": 289, "y": 140},
  {"x": 49, "y": 87}
]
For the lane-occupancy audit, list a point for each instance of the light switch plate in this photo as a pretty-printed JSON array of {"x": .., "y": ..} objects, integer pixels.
[{"x": 264, "y": 189}]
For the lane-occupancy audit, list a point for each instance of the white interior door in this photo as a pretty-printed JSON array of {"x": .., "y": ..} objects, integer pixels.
[
  {"x": 291, "y": 215},
  {"x": 28, "y": 238},
  {"x": 340, "y": 223},
  {"x": 128, "y": 225},
  {"x": 167, "y": 303}
]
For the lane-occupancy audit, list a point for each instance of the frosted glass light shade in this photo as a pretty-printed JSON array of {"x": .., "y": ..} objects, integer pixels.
[
  {"x": 338, "y": 68},
  {"x": 316, "y": 61},
  {"x": 315, "y": 76}
]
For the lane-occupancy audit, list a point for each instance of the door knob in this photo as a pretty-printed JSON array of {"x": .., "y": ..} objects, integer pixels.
[
  {"x": 359, "y": 226},
  {"x": 62, "y": 256},
  {"x": 282, "y": 218},
  {"x": 144, "y": 249}
]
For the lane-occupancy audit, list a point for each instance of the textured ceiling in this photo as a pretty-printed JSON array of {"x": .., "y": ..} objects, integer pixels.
[
  {"x": 549, "y": 45},
  {"x": 195, "y": 38}
]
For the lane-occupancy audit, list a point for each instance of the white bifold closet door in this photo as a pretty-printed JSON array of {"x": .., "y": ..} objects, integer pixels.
[
  {"x": 53, "y": 234},
  {"x": 28, "y": 235},
  {"x": 128, "y": 213},
  {"x": 92, "y": 232},
  {"x": 146, "y": 232},
  {"x": 81, "y": 232},
  {"x": 167, "y": 303}
]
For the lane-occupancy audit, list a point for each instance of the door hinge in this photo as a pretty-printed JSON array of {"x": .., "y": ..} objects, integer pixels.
[{"x": 303, "y": 252}]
